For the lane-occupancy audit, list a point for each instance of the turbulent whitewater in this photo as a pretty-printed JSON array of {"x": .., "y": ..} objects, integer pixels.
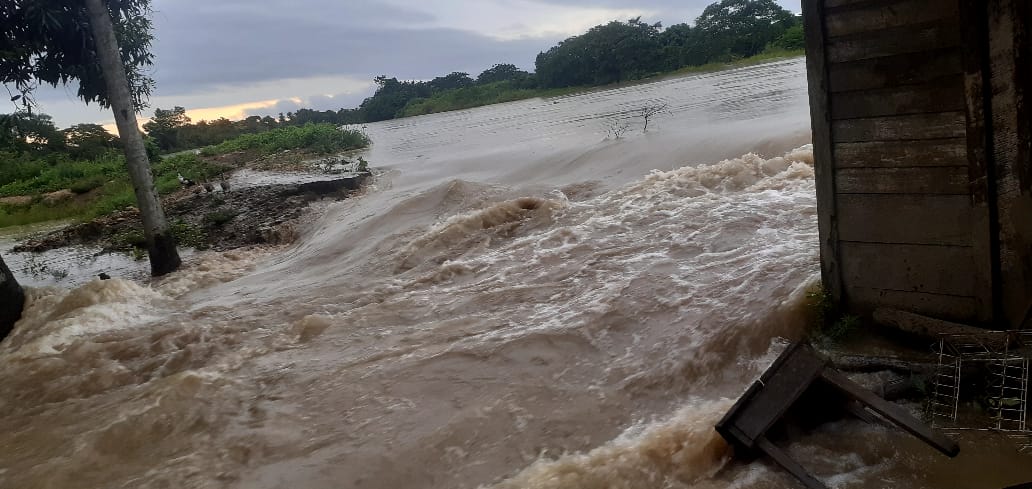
[{"x": 517, "y": 302}]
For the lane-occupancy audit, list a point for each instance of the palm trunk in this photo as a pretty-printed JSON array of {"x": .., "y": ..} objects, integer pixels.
[
  {"x": 12, "y": 299},
  {"x": 160, "y": 244}
]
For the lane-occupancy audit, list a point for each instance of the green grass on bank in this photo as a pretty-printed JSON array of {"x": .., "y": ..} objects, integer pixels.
[
  {"x": 479, "y": 96},
  {"x": 101, "y": 186},
  {"x": 316, "y": 138},
  {"x": 764, "y": 57},
  {"x": 501, "y": 92}
]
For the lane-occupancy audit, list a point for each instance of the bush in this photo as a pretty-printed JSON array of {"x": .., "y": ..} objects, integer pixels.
[
  {"x": 220, "y": 218},
  {"x": 317, "y": 138},
  {"x": 188, "y": 235},
  {"x": 86, "y": 185},
  {"x": 792, "y": 40}
]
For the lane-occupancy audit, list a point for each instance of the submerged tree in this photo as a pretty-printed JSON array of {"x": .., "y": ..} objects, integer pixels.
[{"x": 104, "y": 45}]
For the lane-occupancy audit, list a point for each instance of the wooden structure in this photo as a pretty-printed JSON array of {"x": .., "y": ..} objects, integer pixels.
[
  {"x": 921, "y": 133},
  {"x": 796, "y": 372}
]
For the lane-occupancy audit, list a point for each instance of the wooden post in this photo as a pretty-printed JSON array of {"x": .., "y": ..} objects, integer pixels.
[{"x": 823, "y": 158}]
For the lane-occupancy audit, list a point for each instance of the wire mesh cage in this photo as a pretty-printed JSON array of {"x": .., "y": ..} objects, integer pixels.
[{"x": 990, "y": 368}]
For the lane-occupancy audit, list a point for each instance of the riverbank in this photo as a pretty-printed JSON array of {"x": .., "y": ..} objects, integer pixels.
[
  {"x": 221, "y": 219},
  {"x": 57, "y": 187}
]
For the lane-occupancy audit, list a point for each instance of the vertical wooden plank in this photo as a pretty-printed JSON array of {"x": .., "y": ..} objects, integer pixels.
[
  {"x": 1023, "y": 62},
  {"x": 823, "y": 152},
  {"x": 1010, "y": 199},
  {"x": 975, "y": 56}
]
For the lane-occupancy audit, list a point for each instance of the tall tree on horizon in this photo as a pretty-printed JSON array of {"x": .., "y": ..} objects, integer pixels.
[{"x": 104, "y": 45}]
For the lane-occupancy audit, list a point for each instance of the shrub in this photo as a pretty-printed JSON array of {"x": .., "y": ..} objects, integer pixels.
[
  {"x": 220, "y": 218},
  {"x": 86, "y": 185},
  {"x": 317, "y": 138}
]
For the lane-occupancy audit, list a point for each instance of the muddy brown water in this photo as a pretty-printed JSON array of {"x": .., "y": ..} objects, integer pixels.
[{"x": 518, "y": 302}]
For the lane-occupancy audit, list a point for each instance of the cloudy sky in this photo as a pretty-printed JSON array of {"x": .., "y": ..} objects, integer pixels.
[{"x": 235, "y": 58}]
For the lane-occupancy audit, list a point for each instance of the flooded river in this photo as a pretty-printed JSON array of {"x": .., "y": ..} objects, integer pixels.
[{"x": 519, "y": 301}]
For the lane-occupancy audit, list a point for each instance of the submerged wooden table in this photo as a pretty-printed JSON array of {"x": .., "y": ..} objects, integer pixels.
[{"x": 799, "y": 370}]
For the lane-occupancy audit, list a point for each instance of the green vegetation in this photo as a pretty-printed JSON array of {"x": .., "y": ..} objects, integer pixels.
[
  {"x": 189, "y": 235},
  {"x": 219, "y": 218},
  {"x": 825, "y": 323},
  {"x": 185, "y": 233},
  {"x": 315, "y": 138},
  {"x": 99, "y": 184},
  {"x": 477, "y": 96}
]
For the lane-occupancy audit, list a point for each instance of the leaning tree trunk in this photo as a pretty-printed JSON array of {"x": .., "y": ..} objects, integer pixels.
[
  {"x": 160, "y": 244},
  {"x": 12, "y": 299}
]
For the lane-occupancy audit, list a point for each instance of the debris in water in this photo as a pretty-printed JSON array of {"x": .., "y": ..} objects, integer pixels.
[{"x": 800, "y": 380}]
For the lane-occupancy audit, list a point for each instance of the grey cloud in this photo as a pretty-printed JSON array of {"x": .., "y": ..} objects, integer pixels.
[
  {"x": 202, "y": 44},
  {"x": 315, "y": 102}
]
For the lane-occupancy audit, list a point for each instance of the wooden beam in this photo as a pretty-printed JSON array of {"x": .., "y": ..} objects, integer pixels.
[
  {"x": 943, "y": 95},
  {"x": 905, "y": 219},
  {"x": 900, "y": 128},
  {"x": 951, "y": 307},
  {"x": 786, "y": 462},
  {"x": 917, "y": 268},
  {"x": 823, "y": 151},
  {"x": 895, "y": 71},
  {"x": 902, "y": 154},
  {"x": 865, "y": 18},
  {"x": 978, "y": 120},
  {"x": 895, "y": 41},
  {"x": 947, "y": 180},
  {"x": 893, "y": 413}
]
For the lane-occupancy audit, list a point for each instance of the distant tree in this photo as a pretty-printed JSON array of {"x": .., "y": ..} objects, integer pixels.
[
  {"x": 608, "y": 53},
  {"x": 164, "y": 127},
  {"x": 500, "y": 73},
  {"x": 673, "y": 41},
  {"x": 87, "y": 141},
  {"x": 741, "y": 28},
  {"x": 391, "y": 97},
  {"x": 31, "y": 131},
  {"x": 792, "y": 39},
  {"x": 453, "y": 81}
]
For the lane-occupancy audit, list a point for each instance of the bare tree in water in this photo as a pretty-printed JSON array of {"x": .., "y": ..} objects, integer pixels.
[
  {"x": 12, "y": 300},
  {"x": 649, "y": 111}
]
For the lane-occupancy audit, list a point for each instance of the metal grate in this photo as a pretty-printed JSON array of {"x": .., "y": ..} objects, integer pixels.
[{"x": 1004, "y": 359}]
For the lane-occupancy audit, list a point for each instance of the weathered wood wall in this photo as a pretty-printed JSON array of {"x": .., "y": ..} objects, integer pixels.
[
  {"x": 1009, "y": 48},
  {"x": 910, "y": 197}
]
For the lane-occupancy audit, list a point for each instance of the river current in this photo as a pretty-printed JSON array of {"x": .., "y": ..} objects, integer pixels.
[{"x": 519, "y": 300}]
